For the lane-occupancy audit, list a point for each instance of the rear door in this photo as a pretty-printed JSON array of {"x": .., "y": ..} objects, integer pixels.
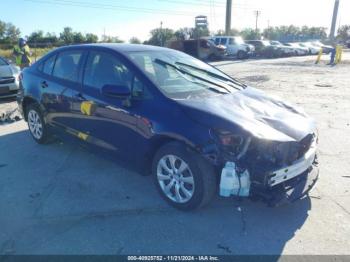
[{"x": 62, "y": 79}]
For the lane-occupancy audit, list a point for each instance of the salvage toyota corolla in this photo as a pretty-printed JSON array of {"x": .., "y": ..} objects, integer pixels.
[{"x": 196, "y": 129}]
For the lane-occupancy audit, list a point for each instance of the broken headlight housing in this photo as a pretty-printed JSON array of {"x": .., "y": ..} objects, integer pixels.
[{"x": 234, "y": 145}]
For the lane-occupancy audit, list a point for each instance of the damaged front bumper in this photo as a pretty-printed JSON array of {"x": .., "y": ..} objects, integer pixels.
[
  {"x": 284, "y": 185},
  {"x": 291, "y": 190}
]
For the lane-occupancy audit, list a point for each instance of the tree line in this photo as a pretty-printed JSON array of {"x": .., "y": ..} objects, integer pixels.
[{"x": 9, "y": 35}]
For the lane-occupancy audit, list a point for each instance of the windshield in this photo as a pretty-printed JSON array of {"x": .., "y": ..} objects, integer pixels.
[
  {"x": 2, "y": 62},
  {"x": 180, "y": 76}
]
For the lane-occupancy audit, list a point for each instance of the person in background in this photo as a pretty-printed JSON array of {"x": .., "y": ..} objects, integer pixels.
[
  {"x": 22, "y": 53},
  {"x": 334, "y": 45}
]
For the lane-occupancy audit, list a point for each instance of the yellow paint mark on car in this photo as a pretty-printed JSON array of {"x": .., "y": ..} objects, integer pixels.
[
  {"x": 88, "y": 108},
  {"x": 83, "y": 136}
]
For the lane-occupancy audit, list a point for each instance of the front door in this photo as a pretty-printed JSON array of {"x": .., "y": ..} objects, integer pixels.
[{"x": 108, "y": 122}]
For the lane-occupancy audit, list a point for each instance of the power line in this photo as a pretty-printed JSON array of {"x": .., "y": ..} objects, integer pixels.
[
  {"x": 111, "y": 7},
  {"x": 190, "y": 3}
]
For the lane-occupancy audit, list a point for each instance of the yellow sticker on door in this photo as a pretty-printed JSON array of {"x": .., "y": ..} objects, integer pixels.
[
  {"x": 83, "y": 136},
  {"x": 88, "y": 108}
]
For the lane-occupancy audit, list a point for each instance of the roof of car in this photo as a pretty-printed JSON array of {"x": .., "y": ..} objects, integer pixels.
[{"x": 123, "y": 47}]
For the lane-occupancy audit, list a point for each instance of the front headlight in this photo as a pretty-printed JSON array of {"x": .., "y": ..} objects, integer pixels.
[{"x": 234, "y": 144}]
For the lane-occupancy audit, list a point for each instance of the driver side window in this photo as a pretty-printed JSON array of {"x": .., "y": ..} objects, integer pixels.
[{"x": 105, "y": 69}]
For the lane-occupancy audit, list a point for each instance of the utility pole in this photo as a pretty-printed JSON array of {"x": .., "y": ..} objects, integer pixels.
[
  {"x": 161, "y": 33},
  {"x": 334, "y": 19},
  {"x": 257, "y": 13},
  {"x": 228, "y": 17}
]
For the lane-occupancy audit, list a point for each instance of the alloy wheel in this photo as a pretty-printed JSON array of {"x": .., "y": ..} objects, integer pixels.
[
  {"x": 35, "y": 124},
  {"x": 175, "y": 178}
]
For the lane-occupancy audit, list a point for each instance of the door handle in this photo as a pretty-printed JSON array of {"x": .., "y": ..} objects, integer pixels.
[{"x": 44, "y": 84}]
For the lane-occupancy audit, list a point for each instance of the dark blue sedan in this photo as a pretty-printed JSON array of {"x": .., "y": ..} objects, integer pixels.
[{"x": 193, "y": 127}]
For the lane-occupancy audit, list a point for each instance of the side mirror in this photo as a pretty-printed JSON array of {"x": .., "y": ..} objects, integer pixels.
[{"x": 119, "y": 91}]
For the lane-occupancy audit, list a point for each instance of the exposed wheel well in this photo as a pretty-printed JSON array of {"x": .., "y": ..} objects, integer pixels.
[
  {"x": 26, "y": 102},
  {"x": 156, "y": 144}
]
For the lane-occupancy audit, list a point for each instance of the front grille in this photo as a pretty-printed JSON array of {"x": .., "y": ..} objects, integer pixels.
[
  {"x": 7, "y": 80},
  {"x": 278, "y": 154},
  {"x": 9, "y": 93}
]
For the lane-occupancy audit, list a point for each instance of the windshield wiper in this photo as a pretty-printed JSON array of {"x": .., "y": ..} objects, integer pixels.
[
  {"x": 214, "y": 75},
  {"x": 161, "y": 62}
]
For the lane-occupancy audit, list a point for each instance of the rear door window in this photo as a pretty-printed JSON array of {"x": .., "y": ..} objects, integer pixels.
[
  {"x": 217, "y": 41},
  {"x": 67, "y": 65},
  {"x": 48, "y": 65}
]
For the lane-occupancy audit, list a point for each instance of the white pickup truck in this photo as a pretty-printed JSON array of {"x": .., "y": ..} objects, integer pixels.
[{"x": 235, "y": 46}]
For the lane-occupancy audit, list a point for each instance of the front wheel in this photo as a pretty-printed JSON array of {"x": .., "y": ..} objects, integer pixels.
[
  {"x": 241, "y": 55},
  {"x": 182, "y": 177}
]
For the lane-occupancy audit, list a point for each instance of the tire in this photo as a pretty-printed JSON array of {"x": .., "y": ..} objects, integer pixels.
[
  {"x": 212, "y": 58},
  {"x": 36, "y": 124},
  {"x": 241, "y": 55},
  {"x": 197, "y": 177}
]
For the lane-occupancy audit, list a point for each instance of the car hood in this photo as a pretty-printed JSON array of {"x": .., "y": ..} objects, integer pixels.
[
  {"x": 252, "y": 110},
  {"x": 7, "y": 71}
]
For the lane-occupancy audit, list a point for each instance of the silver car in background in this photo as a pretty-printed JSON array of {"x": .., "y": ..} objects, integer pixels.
[
  {"x": 9, "y": 75},
  {"x": 300, "y": 50}
]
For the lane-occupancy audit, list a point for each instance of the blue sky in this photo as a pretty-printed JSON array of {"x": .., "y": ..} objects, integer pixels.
[{"x": 127, "y": 18}]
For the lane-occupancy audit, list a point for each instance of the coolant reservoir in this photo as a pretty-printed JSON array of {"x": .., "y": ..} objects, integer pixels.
[
  {"x": 245, "y": 184},
  {"x": 229, "y": 183}
]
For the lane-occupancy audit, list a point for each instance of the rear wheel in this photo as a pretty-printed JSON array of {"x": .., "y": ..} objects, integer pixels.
[
  {"x": 36, "y": 124},
  {"x": 241, "y": 55},
  {"x": 182, "y": 177}
]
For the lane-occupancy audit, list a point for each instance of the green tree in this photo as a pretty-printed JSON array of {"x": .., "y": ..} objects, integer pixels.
[
  {"x": 184, "y": 33},
  {"x": 67, "y": 36},
  {"x": 78, "y": 38},
  {"x": 294, "y": 33},
  {"x": 160, "y": 36},
  {"x": 344, "y": 33},
  {"x": 112, "y": 39},
  {"x": 2, "y": 29},
  {"x": 250, "y": 34},
  {"x": 51, "y": 39},
  {"x": 91, "y": 38},
  {"x": 200, "y": 32},
  {"x": 12, "y": 33},
  {"x": 36, "y": 37},
  {"x": 134, "y": 40},
  {"x": 233, "y": 32}
]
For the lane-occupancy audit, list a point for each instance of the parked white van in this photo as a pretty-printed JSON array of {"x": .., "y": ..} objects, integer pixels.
[{"x": 235, "y": 46}]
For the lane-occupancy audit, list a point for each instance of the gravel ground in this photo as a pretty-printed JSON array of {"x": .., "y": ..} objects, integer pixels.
[{"x": 62, "y": 199}]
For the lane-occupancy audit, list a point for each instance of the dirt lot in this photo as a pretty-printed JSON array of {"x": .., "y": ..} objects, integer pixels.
[{"x": 62, "y": 199}]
